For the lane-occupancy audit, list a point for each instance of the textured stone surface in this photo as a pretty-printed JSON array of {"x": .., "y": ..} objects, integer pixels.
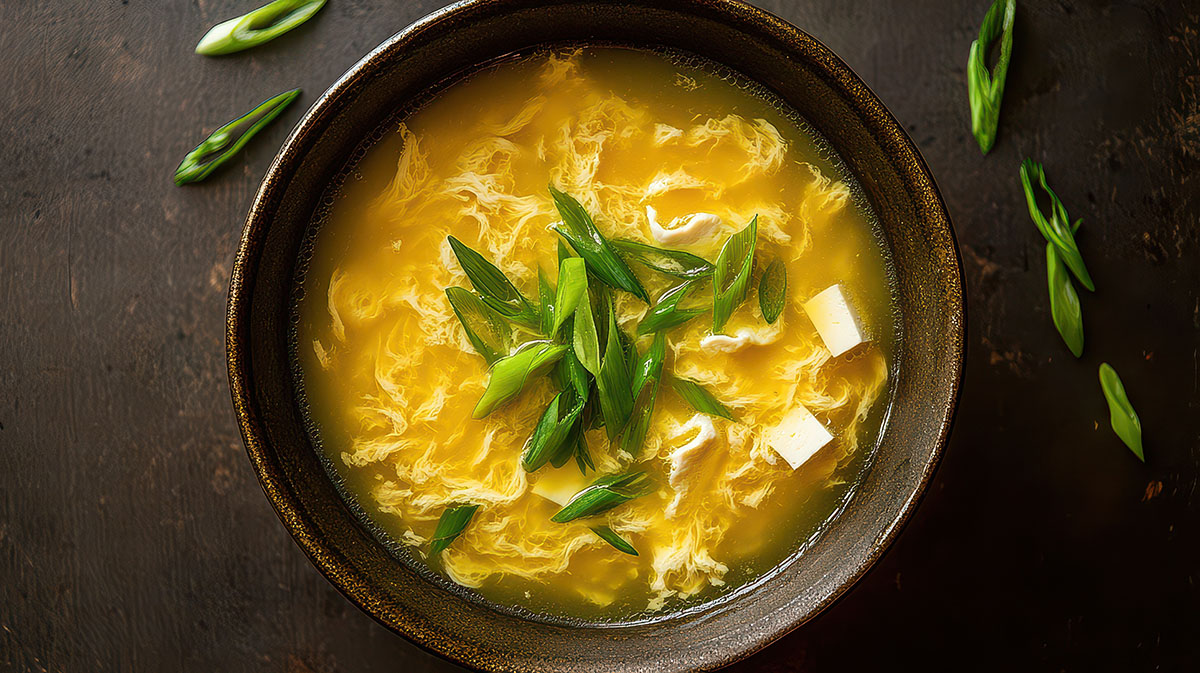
[{"x": 133, "y": 535}]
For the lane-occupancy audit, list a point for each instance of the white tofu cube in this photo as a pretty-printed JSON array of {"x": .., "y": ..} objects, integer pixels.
[
  {"x": 798, "y": 436},
  {"x": 561, "y": 484},
  {"x": 836, "y": 321}
]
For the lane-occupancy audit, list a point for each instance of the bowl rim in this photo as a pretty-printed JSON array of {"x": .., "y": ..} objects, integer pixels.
[{"x": 789, "y": 38}]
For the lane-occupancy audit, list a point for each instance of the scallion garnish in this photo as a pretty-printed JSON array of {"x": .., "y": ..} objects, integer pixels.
[
  {"x": 572, "y": 287},
  {"x": 985, "y": 90},
  {"x": 1064, "y": 302},
  {"x": 254, "y": 28},
  {"x": 700, "y": 399},
  {"x": 665, "y": 313},
  {"x": 772, "y": 290},
  {"x": 604, "y": 494},
  {"x": 581, "y": 232},
  {"x": 546, "y": 299},
  {"x": 552, "y": 430},
  {"x": 731, "y": 276},
  {"x": 1058, "y": 229},
  {"x": 509, "y": 374},
  {"x": 229, "y": 138},
  {"x": 1124, "y": 419},
  {"x": 645, "y": 392},
  {"x": 613, "y": 383},
  {"x": 585, "y": 340},
  {"x": 451, "y": 524},
  {"x": 493, "y": 286},
  {"x": 675, "y": 263},
  {"x": 610, "y": 536},
  {"x": 485, "y": 328}
]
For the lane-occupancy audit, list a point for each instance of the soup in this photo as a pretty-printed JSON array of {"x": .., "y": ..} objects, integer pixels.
[{"x": 625, "y": 393}]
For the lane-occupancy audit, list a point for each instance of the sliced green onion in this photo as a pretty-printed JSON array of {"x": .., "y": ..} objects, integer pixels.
[
  {"x": 451, "y": 524},
  {"x": 772, "y": 290},
  {"x": 1057, "y": 229},
  {"x": 583, "y": 458},
  {"x": 700, "y": 399},
  {"x": 610, "y": 536},
  {"x": 675, "y": 263},
  {"x": 546, "y": 299},
  {"x": 261, "y": 25},
  {"x": 493, "y": 286},
  {"x": 665, "y": 313},
  {"x": 985, "y": 90},
  {"x": 1124, "y": 419},
  {"x": 585, "y": 340},
  {"x": 613, "y": 382},
  {"x": 572, "y": 286},
  {"x": 731, "y": 277},
  {"x": 1064, "y": 302},
  {"x": 604, "y": 494},
  {"x": 552, "y": 430},
  {"x": 509, "y": 374},
  {"x": 645, "y": 389},
  {"x": 485, "y": 328},
  {"x": 581, "y": 232},
  {"x": 231, "y": 137}
]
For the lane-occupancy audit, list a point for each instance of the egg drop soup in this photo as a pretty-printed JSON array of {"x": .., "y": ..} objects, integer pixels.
[{"x": 665, "y": 359}]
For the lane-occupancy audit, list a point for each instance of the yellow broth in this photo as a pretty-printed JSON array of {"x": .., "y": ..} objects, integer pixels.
[{"x": 391, "y": 380}]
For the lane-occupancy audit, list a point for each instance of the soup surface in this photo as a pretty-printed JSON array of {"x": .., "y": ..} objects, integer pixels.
[{"x": 391, "y": 378}]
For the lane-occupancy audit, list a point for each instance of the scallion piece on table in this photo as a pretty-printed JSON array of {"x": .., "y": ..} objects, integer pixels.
[
  {"x": 1124, "y": 419},
  {"x": 675, "y": 263},
  {"x": 700, "y": 399},
  {"x": 493, "y": 286},
  {"x": 604, "y": 494},
  {"x": 1064, "y": 302},
  {"x": 509, "y": 374},
  {"x": 772, "y": 291},
  {"x": 610, "y": 536},
  {"x": 986, "y": 89},
  {"x": 451, "y": 524},
  {"x": 1058, "y": 229},
  {"x": 486, "y": 329},
  {"x": 254, "y": 28},
  {"x": 731, "y": 277},
  {"x": 231, "y": 137},
  {"x": 581, "y": 232}
]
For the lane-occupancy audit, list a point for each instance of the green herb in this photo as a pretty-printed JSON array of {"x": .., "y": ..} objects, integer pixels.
[
  {"x": 645, "y": 390},
  {"x": 700, "y": 399},
  {"x": 772, "y": 290},
  {"x": 1125, "y": 421},
  {"x": 451, "y": 524},
  {"x": 231, "y": 137},
  {"x": 610, "y": 536},
  {"x": 262, "y": 25},
  {"x": 1064, "y": 302},
  {"x": 604, "y": 494},
  {"x": 613, "y": 382},
  {"x": 583, "y": 458},
  {"x": 731, "y": 277},
  {"x": 493, "y": 286},
  {"x": 485, "y": 328},
  {"x": 546, "y": 299},
  {"x": 1057, "y": 229},
  {"x": 579, "y": 230},
  {"x": 985, "y": 89},
  {"x": 669, "y": 262},
  {"x": 552, "y": 430},
  {"x": 572, "y": 287},
  {"x": 665, "y": 313},
  {"x": 509, "y": 374},
  {"x": 585, "y": 340}
]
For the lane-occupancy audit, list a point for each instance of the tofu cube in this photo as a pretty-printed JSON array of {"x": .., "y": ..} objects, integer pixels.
[
  {"x": 560, "y": 485},
  {"x": 798, "y": 436},
  {"x": 836, "y": 321}
]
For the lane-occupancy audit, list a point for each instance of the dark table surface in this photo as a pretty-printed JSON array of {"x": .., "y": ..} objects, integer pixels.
[{"x": 134, "y": 536}]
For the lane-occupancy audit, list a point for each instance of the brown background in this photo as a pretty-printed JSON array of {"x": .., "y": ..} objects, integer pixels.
[{"x": 133, "y": 535}]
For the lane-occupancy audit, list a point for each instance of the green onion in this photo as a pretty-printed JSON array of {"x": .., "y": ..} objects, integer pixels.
[
  {"x": 572, "y": 286},
  {"x": 610, "y": 536},
  {"x": 772, "y": 290},
  {"x": 485, "y": 328},
  {"x": 231, "y": 137},
  {"x": 1064, "y": 302},
  {"x": 613, "y": 381},
  {"x": 731, "y": 277},
  {"x": 581, "y": 232},
  {"x": 669, "y": 262},
  {"x": 262, "y": 25},
  {"x": 665, "y": 313},
  {"x": 546, "y": 299},
  {"x": 585, "y": 340},
  {"x": 552, "y": 430},
  {"x": 604, "y": 494},
  {"x": 1125, "y": 421},
  {"x": 583, "y": 458},
  {"x": 645, "y": 389},
  {"x": 984, "y": 89},
  {"x": 495, "y": 288},
  {"x": 1057, "y": 229},
  {"x": 451, "y": 524},
  {"x": 700, "y": 399},
  {"x": 509, "y": 374}
]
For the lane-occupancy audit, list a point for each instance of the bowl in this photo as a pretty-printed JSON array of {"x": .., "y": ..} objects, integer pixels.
[{"x": 442, "y": 47}]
